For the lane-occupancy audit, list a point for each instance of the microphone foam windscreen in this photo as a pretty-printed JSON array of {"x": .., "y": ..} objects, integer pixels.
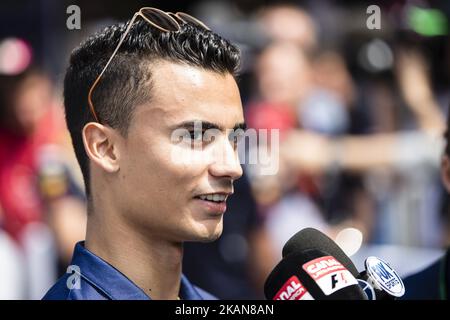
[{"x": 310, "y": 238}]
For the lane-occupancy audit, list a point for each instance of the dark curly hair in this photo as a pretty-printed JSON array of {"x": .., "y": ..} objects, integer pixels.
[{"x": 127, "y": 82}]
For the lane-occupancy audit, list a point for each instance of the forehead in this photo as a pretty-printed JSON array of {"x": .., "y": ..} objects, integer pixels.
[{"x": 181, "y": 92}]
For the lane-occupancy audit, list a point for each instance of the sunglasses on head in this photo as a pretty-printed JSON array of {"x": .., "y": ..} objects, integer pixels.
[{"x": 163, "y": 21}]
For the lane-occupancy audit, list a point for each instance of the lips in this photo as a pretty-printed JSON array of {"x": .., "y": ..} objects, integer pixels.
[
  {"x": 211, "y": 207},
  {"x": 213, "y": 203}
]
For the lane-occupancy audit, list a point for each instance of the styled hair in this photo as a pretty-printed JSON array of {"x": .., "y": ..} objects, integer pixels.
[{"x": 127, "y": 81}]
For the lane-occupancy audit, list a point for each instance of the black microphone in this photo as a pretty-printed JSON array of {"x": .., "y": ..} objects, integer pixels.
[
  {"x": 312, "y": 274},
  {"x": 379, "y": 281},
  {"x": 310, "y": 238}
]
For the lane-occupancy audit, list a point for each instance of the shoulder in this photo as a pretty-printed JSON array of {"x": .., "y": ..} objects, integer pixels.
[{"x": 423, "y": 284}]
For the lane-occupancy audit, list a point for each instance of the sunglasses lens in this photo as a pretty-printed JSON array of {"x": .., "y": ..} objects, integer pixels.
[
  {"x": 173, "y": 15},
  {"x": 160, "y": 19},
  {"x": 190, "y": 19}
]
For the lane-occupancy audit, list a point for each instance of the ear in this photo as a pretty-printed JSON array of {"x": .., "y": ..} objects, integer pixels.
[
  {"x": 102, "y": 146},
  {"x": 445, "y": 172}
]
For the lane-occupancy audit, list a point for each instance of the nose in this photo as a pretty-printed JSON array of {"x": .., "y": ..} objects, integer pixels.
[{"x": 226, "y": 161}]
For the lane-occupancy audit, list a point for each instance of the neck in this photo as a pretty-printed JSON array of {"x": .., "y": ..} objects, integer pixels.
[{"x": 153, "y": 264}]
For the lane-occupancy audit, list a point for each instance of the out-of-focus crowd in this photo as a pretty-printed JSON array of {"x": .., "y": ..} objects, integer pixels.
[{"x": 361, "y": 120}]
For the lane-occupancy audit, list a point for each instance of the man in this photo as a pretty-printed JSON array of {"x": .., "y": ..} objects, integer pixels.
[
  {"x": 433, "y": 282},
  {"x": 170, "y": 75}
]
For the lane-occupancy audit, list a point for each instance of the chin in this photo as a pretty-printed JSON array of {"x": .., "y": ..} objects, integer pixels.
[
  {"x": 213, "y": 237},
  {"x": 209, "y": 232}
]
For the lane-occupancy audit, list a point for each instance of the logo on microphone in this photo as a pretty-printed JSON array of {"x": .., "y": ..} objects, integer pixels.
[
  {"x": 329, "y": 274},
  {"x": 293, "y": 290},
  {"x": 385, "y": 276},
  {"x": 368, "y": 289}
]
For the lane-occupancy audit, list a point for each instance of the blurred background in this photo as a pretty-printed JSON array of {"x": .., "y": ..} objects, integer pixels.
[{"x": 361, "y": 113}]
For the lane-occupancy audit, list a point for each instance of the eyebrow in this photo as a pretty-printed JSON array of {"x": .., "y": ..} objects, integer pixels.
[{"x": 206, "y": 125}]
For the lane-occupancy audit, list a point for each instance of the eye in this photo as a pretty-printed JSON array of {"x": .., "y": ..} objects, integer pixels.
[
  {"x": 236, "y": 136},
  {"x": 203, "y": 136},
  {"x": 196, "y": 135}
]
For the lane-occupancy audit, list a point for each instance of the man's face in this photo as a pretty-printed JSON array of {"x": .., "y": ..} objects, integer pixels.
[
  {"x": 161, "y": 179},
  {"x": 30, "y": 102},
  {"x": 284, "y": 74}
]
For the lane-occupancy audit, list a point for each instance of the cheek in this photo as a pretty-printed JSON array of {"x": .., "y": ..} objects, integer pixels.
[
  {"x": 163, "y": 169},
  {"x": 184, "y": 167}
]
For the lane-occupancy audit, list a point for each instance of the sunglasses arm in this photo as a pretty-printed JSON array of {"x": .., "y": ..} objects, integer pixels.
[{"x": 91, "y": 106}]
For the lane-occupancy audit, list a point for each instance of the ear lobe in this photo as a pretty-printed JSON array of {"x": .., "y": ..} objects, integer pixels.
[
  {"x": 445, "y": 172},
  {"x": 101, "y": 146}
]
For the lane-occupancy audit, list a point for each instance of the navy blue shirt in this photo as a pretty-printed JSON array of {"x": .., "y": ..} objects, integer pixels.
[
  {"x": 432, "y": 283},
  {"x": 94, "y": 279}
]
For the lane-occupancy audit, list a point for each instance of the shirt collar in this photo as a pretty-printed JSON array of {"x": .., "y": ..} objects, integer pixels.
[{"x": 113, "y": 283}]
